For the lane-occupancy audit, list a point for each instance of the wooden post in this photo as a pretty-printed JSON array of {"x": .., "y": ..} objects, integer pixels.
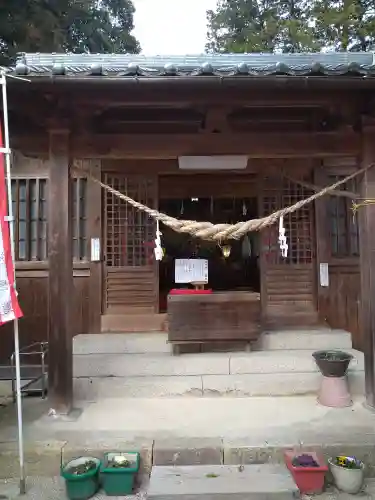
[
  {"x": 61, "y": 327},
  {"x": 367, "y": 260},
  {"x": 322, "y": 241},
  {"x": 94, "y": 208}
]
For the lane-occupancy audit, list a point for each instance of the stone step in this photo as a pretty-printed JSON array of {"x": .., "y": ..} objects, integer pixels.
[
  {"x": 323, "y": 338},
  {"x": 214, "y": 482},
  {"x": 130, "y": 323},
  {"x": 164, "y": 364},
  {"x": 247, "y": 385},
  {"x": 116, "y": 343}
]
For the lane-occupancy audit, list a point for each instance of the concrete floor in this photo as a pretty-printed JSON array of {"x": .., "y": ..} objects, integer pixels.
[{"x": 283, "y": 420}]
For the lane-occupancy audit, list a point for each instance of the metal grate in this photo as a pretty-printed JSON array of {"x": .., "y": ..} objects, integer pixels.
[
  {"x": 130, "y": 233},
  {"x": 298, "y": 225},
  {"x": 29, "y": 199},
  {"x": 79, "y": 220}
]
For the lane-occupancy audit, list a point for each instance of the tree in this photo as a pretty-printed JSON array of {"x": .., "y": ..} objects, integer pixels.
[
  {"x": 66, "y": 25},
  {"x": 291, "y": 25},
  {"x": 260, "y": 26},
  {"x": 345, "y": 24}
]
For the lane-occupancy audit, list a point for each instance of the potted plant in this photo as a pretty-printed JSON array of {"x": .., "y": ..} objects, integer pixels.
[
  {"x": 118, "y": 471},
  {"x": 348, "y": 473},
  {"x": 81, "y": 477},
  {"x": 334, "y": 390},
  {"x": 308, "y": 470},
  {"x": 332, "y": 363}
]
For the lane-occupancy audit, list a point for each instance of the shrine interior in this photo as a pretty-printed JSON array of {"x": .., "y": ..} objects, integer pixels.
[{"x": 232, "y": 265}]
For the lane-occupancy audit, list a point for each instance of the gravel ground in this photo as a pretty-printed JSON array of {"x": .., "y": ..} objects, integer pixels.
[{"x": 39, "y": 488}]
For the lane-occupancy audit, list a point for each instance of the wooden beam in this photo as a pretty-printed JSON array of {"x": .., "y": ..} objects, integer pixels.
[
  {"x": 170, "y": 146},
  {"x": 61, "y": 327},
  {"x": 267, "y": 145},
  {"x": 367, "y": 261}
]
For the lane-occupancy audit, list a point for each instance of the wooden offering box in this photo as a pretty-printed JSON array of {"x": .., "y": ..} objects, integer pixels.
[{"x": 216, "y": 317}]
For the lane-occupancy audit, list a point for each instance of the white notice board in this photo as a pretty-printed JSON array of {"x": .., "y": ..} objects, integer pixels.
[{"x": 191, "y": 271}]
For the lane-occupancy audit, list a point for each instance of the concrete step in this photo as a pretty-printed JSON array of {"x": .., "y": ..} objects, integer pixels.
[
  {"x": 247, "y": 385},
  {"x": 214, "y": 482},
  {"x": 316, "y": 339},
  {"x": 164, "y": 365}
]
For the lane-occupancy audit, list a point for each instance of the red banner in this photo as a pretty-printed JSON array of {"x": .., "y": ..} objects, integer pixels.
[{"x": 9, "y": 306}]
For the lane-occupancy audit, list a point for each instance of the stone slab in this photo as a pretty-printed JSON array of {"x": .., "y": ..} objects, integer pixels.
[
  {"x": 116, "y": 343},
  {"x": 188, "y": 452},
  {"x": 213, "y": 482},
  {"x": 281, "y": 362},
  {"x": 272, "y": 384},
  {"x": 143, "y": 365},
  {"x": 314, "y": 339},
  {"x": 95, "y": 388}
]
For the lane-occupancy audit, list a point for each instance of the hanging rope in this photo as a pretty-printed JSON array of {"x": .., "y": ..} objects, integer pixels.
[{"x": 220, "y": 232}]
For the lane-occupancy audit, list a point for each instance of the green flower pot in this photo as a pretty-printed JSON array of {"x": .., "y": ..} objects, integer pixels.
[
  {"x": 117, "y": 480},
  {"x": 81, "y": 484}
]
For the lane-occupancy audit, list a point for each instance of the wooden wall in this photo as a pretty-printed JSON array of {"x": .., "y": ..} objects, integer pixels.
[
  {"x": 32, "y": 287},
  {"x": 33, "y": 277}
]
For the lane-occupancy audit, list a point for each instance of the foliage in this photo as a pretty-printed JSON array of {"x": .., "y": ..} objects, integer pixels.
[
  {"x": 66, "y": 25},
  {"x": 291, "y": 25}
]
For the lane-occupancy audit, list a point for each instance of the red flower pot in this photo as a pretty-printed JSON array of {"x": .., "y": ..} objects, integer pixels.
[{"x": 308, "y": 479}]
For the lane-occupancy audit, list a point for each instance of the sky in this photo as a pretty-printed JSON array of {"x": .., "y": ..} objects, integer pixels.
[{"x": 171, "y": 27}]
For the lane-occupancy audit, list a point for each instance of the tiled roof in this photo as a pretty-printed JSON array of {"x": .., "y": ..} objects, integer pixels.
[{"x": 129, "y": 65}]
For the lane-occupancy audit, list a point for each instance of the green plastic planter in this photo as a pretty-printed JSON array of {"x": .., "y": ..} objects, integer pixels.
[
  {"x": 120, "y": 480},
  {"x": 82, "y": 486}
]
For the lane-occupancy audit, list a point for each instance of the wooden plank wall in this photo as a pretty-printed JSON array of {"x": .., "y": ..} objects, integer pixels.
[
  {"x": 32, "y": 286},
  {"x": 339, "y": 303}
]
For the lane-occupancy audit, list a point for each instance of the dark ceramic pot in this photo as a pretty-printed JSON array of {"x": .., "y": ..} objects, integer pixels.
[{"x": 332, "y": 363}]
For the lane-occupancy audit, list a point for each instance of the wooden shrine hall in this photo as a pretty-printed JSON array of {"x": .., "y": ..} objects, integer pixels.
[{"x": 217, "y": 138}]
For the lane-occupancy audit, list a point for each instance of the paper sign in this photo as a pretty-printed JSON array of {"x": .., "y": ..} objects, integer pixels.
[
  {"x": 324, "y": 274},
  {"x": 95, "y": 250},
  {"x": 191, "y": 271}
]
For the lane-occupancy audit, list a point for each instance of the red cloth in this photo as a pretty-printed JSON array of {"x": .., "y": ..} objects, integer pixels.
[{"x": 9, "y": 306}]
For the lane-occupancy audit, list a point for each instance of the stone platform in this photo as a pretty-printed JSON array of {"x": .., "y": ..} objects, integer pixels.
[{"x": 141, "y": 365}]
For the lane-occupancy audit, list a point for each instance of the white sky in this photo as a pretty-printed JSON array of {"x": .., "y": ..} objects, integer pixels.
[{"x": 171, "y": 27}]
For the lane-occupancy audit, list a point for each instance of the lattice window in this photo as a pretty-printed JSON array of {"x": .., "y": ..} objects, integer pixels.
[
  {"x": 29, "y": 200},
  {"x": 130, "y": 233},
  {"x": 298, "y": 225},
  {"x": 30, "y": 208},
  {"x": 79, "y": 216},
  {"x": 344, "y": 234}
]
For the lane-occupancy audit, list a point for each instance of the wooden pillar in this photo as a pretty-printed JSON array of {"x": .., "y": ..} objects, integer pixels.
[
  {"x": 367, "y": 260},
  {"x": 94, "y": 208},
  {"x": 322, "y": 241},
  {"x": 61, "y": 327}
]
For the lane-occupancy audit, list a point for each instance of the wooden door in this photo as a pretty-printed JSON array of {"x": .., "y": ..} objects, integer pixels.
[
  {"x": 288, "y": 284},
  {"x": 338, "y": 246},
  {"x": 130, "y": 284}
]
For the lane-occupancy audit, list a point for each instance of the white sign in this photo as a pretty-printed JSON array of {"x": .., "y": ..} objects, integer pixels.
[
  {"x": 95, "y": 249},
  {"x": 212, "y": 162},
  {"x": 191, "y": 271},
  {"x": 324, "y": 274}
]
